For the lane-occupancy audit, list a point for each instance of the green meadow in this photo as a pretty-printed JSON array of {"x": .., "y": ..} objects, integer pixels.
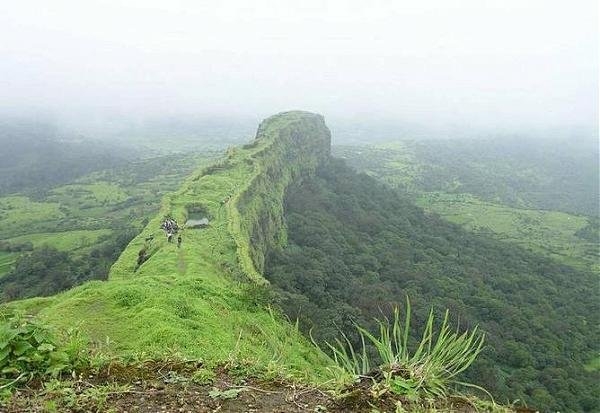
[
  {"x": 63, "y": 241},
  {"x": 491, "y": 191},
  {"x": 95, "y": 193},
  {"x": 19, "y": 215},
  {"x": 550, "y": 233}
]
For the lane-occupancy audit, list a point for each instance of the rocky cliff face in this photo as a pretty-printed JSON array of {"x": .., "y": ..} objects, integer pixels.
[
  {"x": 188, "y": 297},
  {"x": 294, "y": 145},
  {"x": 243, "y": 196}
]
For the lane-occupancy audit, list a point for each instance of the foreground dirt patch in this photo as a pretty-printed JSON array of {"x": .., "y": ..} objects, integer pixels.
[
  {"x": 166, "y": 388},
  {"x": 180, "y": 387}
]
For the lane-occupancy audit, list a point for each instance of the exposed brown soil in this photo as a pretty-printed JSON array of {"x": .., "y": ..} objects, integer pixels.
[
  {"x": 154, "y": 396},
  {"x": 166, "y": 387},
  {"x": 171, "y": 387}
]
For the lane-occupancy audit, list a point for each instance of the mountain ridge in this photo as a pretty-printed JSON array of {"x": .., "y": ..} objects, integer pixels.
[{"x": 196, "y": 300}]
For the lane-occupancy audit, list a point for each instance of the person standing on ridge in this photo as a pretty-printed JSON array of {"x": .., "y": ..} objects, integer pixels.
[{"x": 179, "y": 239}]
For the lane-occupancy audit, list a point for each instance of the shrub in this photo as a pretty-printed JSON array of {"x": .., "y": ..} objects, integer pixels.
[
  {"x": 429, "y": 370},
  {"x": 28, "y": 349}
]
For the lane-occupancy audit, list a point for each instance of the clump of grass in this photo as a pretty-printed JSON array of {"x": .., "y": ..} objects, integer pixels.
[{"x": 427, "y": 371}]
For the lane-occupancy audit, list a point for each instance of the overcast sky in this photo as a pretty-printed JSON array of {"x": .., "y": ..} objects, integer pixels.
[{"x": 479, "y": 63}]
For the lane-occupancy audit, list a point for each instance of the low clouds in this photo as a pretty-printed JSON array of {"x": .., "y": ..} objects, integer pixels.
[{"x": 481, "y": 63}]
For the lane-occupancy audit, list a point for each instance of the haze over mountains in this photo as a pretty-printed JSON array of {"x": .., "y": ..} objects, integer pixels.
[
  {"x": 506, "y": 65},
  {"x": 339, "y": 248},
  {"x": 299, "y": 206}
]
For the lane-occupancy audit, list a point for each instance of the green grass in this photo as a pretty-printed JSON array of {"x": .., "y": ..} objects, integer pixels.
[
  {"x": 94, "y": 193},
  {"x": 195, "y": 300},
  {"x": 63, "y": 241},
  {"x": 549, "y": 233},
  {"x": 18, "y": 214},
  {"x": 593, "y": 365}
]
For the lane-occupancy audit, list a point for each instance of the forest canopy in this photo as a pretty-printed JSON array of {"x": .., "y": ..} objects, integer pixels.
[{"x": 356, "y": 248}]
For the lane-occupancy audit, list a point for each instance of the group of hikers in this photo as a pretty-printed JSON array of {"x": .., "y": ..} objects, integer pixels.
[{"x": 171, "y": 228}]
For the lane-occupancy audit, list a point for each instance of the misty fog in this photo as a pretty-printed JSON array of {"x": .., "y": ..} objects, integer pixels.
[
  {"x": 108, "y": 67},
  {"x": 181, "y": 229}
]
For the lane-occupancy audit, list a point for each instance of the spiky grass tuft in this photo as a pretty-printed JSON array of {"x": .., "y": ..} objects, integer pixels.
[{"x": 428, "y": 371}]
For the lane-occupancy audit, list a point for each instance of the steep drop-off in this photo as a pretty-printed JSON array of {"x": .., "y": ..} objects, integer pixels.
[
  {"x": 203, "y": 299},
  {"x": 357, "y": 248}
]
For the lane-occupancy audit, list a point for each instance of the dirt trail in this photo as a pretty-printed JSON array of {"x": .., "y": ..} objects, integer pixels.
[{"x": 167, "y": 391}]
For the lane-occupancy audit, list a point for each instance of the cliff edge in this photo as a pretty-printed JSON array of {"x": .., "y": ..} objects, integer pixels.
[{"x": 205, "y": 297}]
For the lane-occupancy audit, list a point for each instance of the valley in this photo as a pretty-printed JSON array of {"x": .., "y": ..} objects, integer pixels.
[
  {"x": 91, "y": 210},
  {"x": 299, "y": 249},
  {"x": 474, "y": 185}
]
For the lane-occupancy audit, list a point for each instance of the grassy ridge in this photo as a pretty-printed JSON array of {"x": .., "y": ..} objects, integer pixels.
[
  {"x": 91, "y": 211},
  {"x": 192, "y": 299},
  {"x": 289, "y": 151}
]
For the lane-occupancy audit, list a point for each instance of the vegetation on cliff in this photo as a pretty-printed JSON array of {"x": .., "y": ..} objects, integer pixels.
[
  {"x": 357, "y": 247},
  {"x": 196, "y": 300},
  {"x": 340, "y": 250}
]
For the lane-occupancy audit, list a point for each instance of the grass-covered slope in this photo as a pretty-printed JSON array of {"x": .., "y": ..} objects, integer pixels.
[{"x": 201, "y": 299}]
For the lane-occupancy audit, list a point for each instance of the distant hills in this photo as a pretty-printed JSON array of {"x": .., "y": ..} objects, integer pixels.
[{"x": 294, "y": 231}]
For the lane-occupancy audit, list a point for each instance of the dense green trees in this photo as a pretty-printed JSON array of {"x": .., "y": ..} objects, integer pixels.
[
  {"x": 591, "y": 232},
  {"x": 548, "y": 174},
  {"x": 43, "y": 272},
  {"x": 46, "y": 271},
  {"x": 357, "y": 248}
]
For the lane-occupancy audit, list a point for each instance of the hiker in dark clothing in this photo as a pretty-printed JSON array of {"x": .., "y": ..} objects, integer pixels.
[
  {"x": 170, "y": 226},
  {"x": 179, "y": 239}
]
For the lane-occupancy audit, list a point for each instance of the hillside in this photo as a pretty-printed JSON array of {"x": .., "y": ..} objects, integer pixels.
[
  {"x": 37, "y": 156},
  {"x": 539, "y": 194},
  {"x": 195, "y": 300},
  {"x": 557, "y": 174},
  {"x": 207, "y": 302},
  {"x": 357, "y": 248}
]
